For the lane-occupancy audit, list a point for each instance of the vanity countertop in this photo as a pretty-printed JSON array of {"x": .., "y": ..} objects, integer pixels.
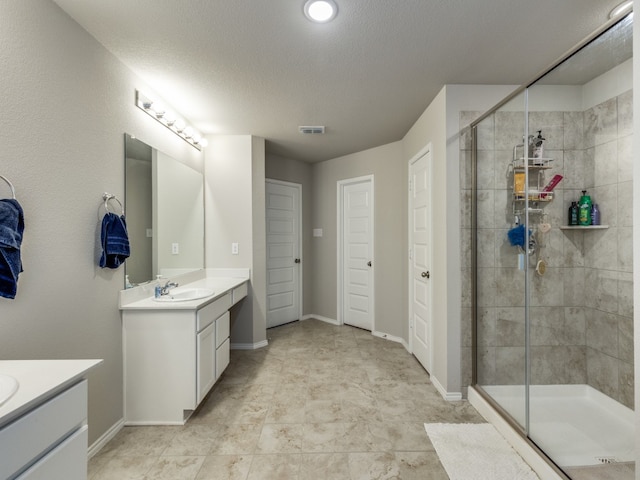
[
  {"x": 39, "y": 380},
  {"x": 219, "y": 285}
]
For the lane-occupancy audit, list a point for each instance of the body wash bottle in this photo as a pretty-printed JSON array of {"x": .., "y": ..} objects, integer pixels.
[{"x": 584, "y": 215}]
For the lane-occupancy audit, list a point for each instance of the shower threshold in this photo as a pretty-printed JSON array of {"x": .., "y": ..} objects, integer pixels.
[{"x": 575, "y": 425}]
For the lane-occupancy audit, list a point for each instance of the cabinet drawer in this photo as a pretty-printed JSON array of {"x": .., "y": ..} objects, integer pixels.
[
  {"x": 222, "y": 357},
  {"x": 207, "y": 315},
  {"x": 222, "y": 329},
  {"x": 239, "y": 292},
  {"x": 67, "y": 461},
  {"x": 25, "y": 440}
]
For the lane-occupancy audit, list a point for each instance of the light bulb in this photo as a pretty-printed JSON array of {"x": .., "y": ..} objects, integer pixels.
[
  {"x": 159, "y": 109},
  {"x": 204, "y": 142},
  {"x": 188, "y": 132},
  {"x": 170, "y": 118},
  {"x": 179, "y": 125},
  {"x": 320, "y": 11}
]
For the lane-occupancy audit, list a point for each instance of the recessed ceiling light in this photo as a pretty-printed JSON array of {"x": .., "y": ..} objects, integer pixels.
[
  {"x": 622, "y": 9},
  {"x": 320, "y": 11}
]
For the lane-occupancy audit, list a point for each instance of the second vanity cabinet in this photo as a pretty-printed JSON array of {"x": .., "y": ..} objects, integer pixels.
[{"x": 172, "y": 358}]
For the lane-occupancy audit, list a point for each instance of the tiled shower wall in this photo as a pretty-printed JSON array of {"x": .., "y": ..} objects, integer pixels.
[{"x": 582, "y": 307}]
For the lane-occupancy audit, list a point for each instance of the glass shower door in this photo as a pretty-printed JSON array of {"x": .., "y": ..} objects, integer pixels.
[
  {"x": 581, "y": 323},
  {"x": 500, "y": 277},
  {"x": 553, "y": 278}
]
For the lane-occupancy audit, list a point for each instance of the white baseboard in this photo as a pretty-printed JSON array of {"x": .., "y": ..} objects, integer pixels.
[
  {"x": 448, "y": 396},
  {"x": 520, "y": 445},
  {"x": 249, "y": 346},
  {"x": 321, "y": 318},
  {"x": 105, "y": 438}
]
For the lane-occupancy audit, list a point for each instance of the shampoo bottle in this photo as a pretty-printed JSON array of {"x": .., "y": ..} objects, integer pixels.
[
  {"x": 584, "y": 214},
  {"x": 573, "y": 213},
  {"x": 595, "y": 215}
]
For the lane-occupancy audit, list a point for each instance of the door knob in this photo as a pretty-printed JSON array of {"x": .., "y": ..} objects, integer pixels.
[
  {"x": 297, "y": 260},
  {"x": 425, "y": 275},
  {"x": 369, "y": 263}
]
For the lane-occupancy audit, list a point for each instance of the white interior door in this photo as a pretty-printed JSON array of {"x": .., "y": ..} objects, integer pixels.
[
  {"x": 283, "y": 222},
  {"x": 420, "y": 307},
  {"x": 357, "y": 252}
]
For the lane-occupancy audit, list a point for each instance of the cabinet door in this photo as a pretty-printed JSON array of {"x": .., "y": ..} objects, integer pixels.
[
  {"x": 222, "y": 357},
  {"x": 206, "y": 364}
]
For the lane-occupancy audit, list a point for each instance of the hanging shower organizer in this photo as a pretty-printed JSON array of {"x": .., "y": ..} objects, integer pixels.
[{"x": 538, "y": 199}]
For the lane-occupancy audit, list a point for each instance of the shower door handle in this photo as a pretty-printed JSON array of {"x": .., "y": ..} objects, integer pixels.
[{"x": 425, "y": 275}]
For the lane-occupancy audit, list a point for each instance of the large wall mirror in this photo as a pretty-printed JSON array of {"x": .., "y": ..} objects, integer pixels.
[{"x": 164, "y": 204}]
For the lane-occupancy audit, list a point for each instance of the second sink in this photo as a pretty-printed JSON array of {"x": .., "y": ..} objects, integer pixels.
[
  {"x": 8, "y": 386},
  {"x": 185, "y": 295}
]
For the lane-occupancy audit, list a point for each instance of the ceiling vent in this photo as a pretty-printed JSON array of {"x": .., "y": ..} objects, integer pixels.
[{"x": 317, "y": 130}]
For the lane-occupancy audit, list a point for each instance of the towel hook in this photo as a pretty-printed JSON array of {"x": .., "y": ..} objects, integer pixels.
[
  {"x": 13, "y": 190},
  {"x": 107, "y": 196}
]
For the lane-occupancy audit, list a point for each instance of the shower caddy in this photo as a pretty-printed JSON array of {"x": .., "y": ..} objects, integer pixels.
[{"x": 537, "y": 198}]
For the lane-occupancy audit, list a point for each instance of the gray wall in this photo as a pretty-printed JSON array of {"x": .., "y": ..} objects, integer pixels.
[
  {"x": 385, "y": 163},
  {"x": 319, "y": 181},
  {"x": 66, "y": 104}
]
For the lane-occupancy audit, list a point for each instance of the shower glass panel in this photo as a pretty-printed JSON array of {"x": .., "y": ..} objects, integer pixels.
[
  {"x": 500, "y": 280},
  {"x": 553, "y": 292},
  {"x": 581, "y": 389}
]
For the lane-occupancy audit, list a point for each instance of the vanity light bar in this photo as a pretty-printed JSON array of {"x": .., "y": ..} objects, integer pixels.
[{"x": 157, "y": 111}]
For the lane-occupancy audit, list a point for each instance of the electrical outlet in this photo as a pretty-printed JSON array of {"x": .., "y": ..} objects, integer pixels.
[
  {"x": 175, "y": 248},
  {"x": 234, "y": 249}
]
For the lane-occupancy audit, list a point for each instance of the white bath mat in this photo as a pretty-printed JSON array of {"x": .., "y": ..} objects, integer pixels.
[{"x": 476, "y": 452}]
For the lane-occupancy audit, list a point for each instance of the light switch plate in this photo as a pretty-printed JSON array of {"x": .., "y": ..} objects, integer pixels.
[
  {"x": 234, "y": 248},
  {"x": 175, "y": 248}
]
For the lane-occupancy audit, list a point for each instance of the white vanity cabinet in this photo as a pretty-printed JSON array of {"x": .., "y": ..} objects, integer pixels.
[
  {"x": 172, "y": 358},
  {"x": 43, "y": 427}
]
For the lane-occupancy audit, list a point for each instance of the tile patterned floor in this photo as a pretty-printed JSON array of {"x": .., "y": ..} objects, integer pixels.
[{"x": 320, "y": 402}]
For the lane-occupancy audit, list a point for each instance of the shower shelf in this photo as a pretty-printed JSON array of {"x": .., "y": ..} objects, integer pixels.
[
  {"x": 534, "y": 164},
  {"x": 584, "y": 227}
]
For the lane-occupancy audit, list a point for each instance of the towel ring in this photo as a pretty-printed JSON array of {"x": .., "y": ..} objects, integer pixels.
[
  {"x": 13, "y": 190},
  {"x": 107, "y": 197}
]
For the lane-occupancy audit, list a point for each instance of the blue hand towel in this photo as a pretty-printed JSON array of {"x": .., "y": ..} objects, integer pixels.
[
  {"x": 11, "y": 230},
  {"x": 115, "y": 241}
]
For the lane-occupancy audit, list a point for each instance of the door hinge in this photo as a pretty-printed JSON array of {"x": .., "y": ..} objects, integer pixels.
[{"x": 410, "y": 254}]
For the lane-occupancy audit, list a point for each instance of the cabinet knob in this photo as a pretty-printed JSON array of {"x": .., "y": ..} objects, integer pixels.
[
  {"x": 425, "y": 275},
  {"x": 369, "y": 263},
  {"x": 297, "y": 260}
]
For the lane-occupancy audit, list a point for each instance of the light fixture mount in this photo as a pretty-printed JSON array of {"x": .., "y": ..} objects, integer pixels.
[
  {"x": 156, "y": 111},
  {"x": 320, "y": 11}
]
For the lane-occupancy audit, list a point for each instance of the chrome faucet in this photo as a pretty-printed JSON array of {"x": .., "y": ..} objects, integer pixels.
[{"x": 167, "y": 287}]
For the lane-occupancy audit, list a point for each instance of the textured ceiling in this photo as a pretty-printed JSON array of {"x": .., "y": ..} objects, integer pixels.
[{"x": 260, "y": 67}]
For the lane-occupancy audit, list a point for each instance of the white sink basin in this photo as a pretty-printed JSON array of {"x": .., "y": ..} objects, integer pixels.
[
  {"x": 8, "y": 386},
  {"x": 185, "y": 295}
]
